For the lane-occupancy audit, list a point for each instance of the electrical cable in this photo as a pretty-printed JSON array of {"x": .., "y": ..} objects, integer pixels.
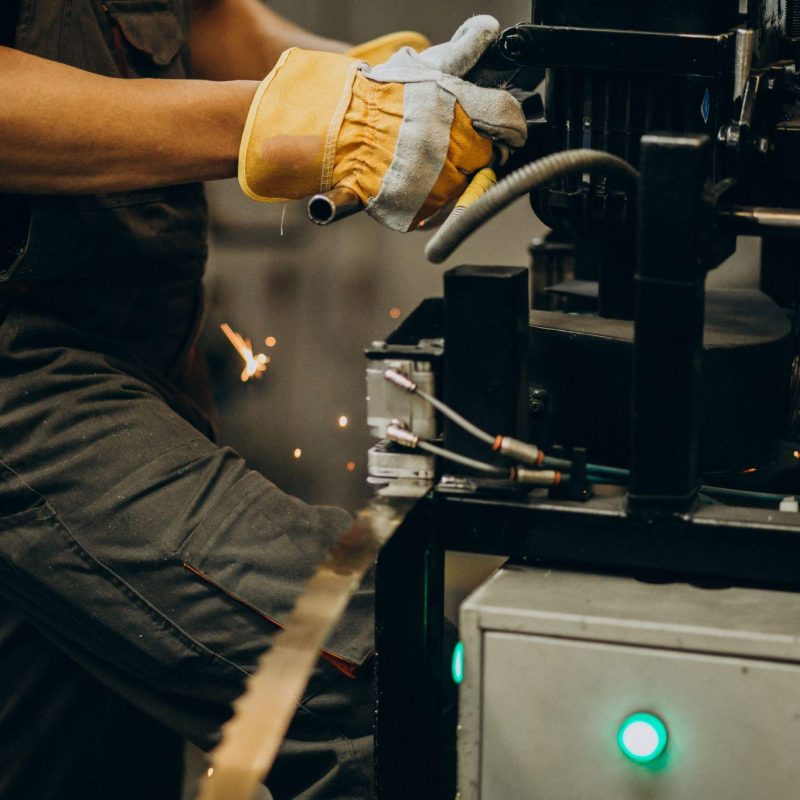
[
  {"x": 602, "y": 471},
  {"x": 505, "y": 445},
  {"x": 596, "y": 473},
  {"x": 519, "y": 182},
  {"x": 466, "y": 461},
  {"x": 552, "y": 462},
  {"x": 617, "y": 476},
  {"x": 398, "y": 433},
  {"x": 741, "y": 494},
  {"x": 406, "y": 384},
  {"x": 463, "y": 423}
]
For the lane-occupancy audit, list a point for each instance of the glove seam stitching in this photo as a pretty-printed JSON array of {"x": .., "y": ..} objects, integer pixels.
[
  {"x": 255, "y": 107},
  {"x": 331, "y": 139},
  {"x": 360, "y": 167}
]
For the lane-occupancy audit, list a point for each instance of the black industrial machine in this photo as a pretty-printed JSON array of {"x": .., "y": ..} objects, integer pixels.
[{"x": 622, "y": 369}]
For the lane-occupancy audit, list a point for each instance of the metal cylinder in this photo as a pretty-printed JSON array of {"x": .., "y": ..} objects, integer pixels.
[
  {"x": 323, "y": 209},
  {"x": 745, "y": 38},
  {"x": 537, "y": 477},
  {"x": 759, "y": 221},
  {"x": 520, "y": 451}
]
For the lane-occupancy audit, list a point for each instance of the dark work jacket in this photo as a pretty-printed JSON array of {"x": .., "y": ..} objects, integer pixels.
[
  {"x": 129, "y": 543},
  {"x": 64, "y": 732},
  {"x": 119, "y": 275},
  {"x": 85, "y": 258},
  {"x": 154, "y": 234}
]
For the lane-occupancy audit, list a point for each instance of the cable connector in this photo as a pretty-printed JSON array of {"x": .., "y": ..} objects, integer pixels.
[
  {"x": 400, "y": 380},
  {"x": 518, "y": 451},
  {"x": 536, "y": 477},
  {"x": 397, "y": 432}
]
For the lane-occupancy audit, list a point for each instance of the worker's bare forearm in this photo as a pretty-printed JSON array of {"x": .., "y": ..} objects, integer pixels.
[
  {"x": 242, "y": 39},
  {"x": 65, "y": 131}
]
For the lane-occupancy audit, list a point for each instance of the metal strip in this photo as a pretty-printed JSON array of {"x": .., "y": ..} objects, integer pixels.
[
  {"x": 262, "y": 714},
  {"x": 630, "y": 51}
]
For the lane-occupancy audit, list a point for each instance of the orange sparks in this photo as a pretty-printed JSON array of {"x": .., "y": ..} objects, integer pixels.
[
  {"x": 351, "y": 466},
  {"x": 297, "y": 452},
  {"x": 395, "y": 312},
  {"x": 254, "y": 365},
  {"x": 343, "y": 421},
  {"x": 270, "y": 341}
]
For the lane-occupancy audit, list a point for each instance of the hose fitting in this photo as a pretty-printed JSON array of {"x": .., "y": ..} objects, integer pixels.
[
  {"x": 396, "y": 432},
  {"x": 400, "y": 380},
  {"x": 518, "y": 451},
  {"x": 536, "y": 477}
]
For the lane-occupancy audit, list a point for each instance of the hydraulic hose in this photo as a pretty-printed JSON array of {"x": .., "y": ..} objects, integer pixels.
[{"x": 458, "y": 227}]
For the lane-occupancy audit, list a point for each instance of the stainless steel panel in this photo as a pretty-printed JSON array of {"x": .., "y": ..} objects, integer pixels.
[{"x": 555, "y": 661}]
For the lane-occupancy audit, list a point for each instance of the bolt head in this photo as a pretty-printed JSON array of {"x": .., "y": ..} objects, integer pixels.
[{"x": 513, "y": 44}]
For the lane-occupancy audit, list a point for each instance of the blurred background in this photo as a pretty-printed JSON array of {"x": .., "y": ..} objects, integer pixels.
[{"x": 312, "y": 298}]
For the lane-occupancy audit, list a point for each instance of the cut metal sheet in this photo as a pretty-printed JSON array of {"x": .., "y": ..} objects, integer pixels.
[{"x": 262, "y": 714}]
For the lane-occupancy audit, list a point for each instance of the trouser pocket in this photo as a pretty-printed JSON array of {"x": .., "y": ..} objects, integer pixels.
[{"x": 54, "y": 581}]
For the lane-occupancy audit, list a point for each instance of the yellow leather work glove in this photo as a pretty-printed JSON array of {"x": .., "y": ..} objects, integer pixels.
[
  {"x": 376, "y": 51},
  {"x": 405, "y": 136}
]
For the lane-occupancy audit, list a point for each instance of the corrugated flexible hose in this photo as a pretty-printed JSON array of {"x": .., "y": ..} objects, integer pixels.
[{"x": 497, "y": 197}]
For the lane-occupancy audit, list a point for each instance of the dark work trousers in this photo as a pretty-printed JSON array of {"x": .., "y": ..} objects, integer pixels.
[{"x": 143, "y": 568}]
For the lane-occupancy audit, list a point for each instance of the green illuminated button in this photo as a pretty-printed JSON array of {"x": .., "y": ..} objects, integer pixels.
[
  {"x": 457, "y": 664},
  {"x": 642, "y": 737}
]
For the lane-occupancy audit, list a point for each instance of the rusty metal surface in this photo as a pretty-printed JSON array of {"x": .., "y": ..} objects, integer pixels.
[{"x": 262, "y": 714}]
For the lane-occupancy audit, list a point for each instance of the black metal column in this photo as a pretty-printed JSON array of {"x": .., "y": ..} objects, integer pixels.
[
  {"x": 668, "y": 327},
  {"x": 678, "y": 16},
  {"x": 486, "y": 311},
  {"x": 409, "y": 614}
]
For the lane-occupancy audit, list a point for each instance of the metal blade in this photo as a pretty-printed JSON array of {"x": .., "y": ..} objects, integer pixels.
[{"x": 262, "y": 714}]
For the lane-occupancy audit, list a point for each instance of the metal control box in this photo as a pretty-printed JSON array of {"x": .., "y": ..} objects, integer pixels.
[{"x": 556, "y": 662}]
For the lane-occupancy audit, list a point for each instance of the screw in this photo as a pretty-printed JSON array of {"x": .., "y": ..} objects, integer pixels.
[{"x": 537, "y": 400}]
